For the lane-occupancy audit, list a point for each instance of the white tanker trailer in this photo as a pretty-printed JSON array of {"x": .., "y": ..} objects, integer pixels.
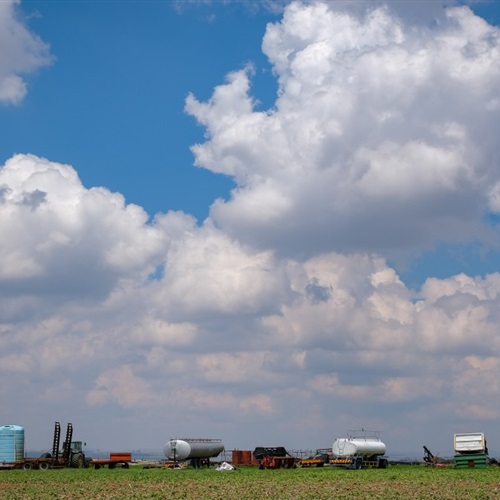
[
  {"x": 362, "y": 449},
  {"x": 198, "y": 450}
]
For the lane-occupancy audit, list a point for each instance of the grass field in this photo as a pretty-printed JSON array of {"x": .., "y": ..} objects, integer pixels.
[{"x": 396, "y": 482}]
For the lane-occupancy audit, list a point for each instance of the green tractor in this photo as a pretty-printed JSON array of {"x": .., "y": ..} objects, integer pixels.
[
  {"x": 72, "y": 454},
  {"x": 77, "y": 457}
]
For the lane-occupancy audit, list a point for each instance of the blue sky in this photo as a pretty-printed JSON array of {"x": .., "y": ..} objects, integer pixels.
[
  {"x": 236, "y": 212},
  {"x": 117, "y": 84},
  {"x": 120, "y": 119}
]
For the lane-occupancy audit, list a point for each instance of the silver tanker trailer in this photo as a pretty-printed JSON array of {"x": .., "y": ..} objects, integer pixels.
[
  {"x": 360, "y": 449},
  {"x": 197, "y": 450}
]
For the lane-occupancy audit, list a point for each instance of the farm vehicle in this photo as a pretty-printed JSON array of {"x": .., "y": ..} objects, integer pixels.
[
  {"x": 274, "y": 458},
  {"x": 71, "y": 454},
  {"x": 317, "y": 459},
  {"x": 360, "y": 449}
]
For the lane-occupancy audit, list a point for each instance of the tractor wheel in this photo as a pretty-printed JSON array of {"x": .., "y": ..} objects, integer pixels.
[{"x": 77, "y": 460}]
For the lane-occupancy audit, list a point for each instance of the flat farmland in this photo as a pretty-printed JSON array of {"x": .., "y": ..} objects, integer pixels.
[{"x": 396, "y": 482}]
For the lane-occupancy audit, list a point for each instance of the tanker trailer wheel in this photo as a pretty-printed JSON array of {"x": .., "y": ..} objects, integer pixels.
[
  {"x": 27, "y": 466},
  {"x": 359, "y": 463},
  {"x": 44, "y": 466}
]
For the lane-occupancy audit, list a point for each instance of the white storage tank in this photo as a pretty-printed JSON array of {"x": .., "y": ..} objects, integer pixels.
[
  {"x": 183, "y": 449},
  {"x": 11, "y": 443},
  {"x": 344, "y": 447}
]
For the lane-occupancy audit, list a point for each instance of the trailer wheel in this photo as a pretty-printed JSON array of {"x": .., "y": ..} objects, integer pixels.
[
  {"x": 359, "y": 463},
  {"x": 27, "y": 466},
  {"x": 43, "y": 466}
]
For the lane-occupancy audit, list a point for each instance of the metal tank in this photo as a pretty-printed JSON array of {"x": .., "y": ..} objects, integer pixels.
[
  {"x": 344, "y": 447},
  {"x": 188, "y": 448},
  {"x": 11, "y": 443}
]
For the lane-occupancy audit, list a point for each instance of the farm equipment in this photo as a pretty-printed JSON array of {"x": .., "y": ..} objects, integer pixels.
[
  {"x": 274, "y": 458},
  {"x": 360, "y": 449},
  {"x": 318, "y": 459},
  {"x": 71, "y": 455},
  {"x": 115, "y": 458},
  {"x": 431, "y": 459},
  {"x": 470, "y": 450},
  {"x": 197, "y": 450}
]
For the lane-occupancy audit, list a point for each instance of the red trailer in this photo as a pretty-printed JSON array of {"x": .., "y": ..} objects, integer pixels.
[{"x": 115, "y": 458}]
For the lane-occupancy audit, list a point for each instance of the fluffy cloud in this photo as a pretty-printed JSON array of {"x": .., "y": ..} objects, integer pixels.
[
  {"x": 22, "y": 52},
  {"x": 65, "y": 239},
  {"x": 375, "y": 119}
]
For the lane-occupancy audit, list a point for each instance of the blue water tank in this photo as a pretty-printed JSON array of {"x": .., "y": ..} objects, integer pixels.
[{"x": 11, "y": 443}]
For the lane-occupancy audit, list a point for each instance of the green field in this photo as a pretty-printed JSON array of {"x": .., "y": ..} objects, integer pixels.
[{"x": 397, "y": 482}]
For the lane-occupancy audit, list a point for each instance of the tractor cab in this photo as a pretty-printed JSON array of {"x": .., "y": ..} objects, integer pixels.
[{"x": 77, "y": 446}]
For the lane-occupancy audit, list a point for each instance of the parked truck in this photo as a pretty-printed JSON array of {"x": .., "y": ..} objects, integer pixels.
[{"x": 360, "y": 449}]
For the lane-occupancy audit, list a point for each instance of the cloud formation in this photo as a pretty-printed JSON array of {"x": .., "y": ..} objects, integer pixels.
[
  {"x": 281, "y": 308},
  {"x": 366, "y": 129},
  {"x": 22, "y": 52}
]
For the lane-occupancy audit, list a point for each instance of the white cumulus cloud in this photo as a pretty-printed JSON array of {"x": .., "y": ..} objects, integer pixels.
[
  {"x": 375, "y": 118},
  {"x": 22, "y": 52}
]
